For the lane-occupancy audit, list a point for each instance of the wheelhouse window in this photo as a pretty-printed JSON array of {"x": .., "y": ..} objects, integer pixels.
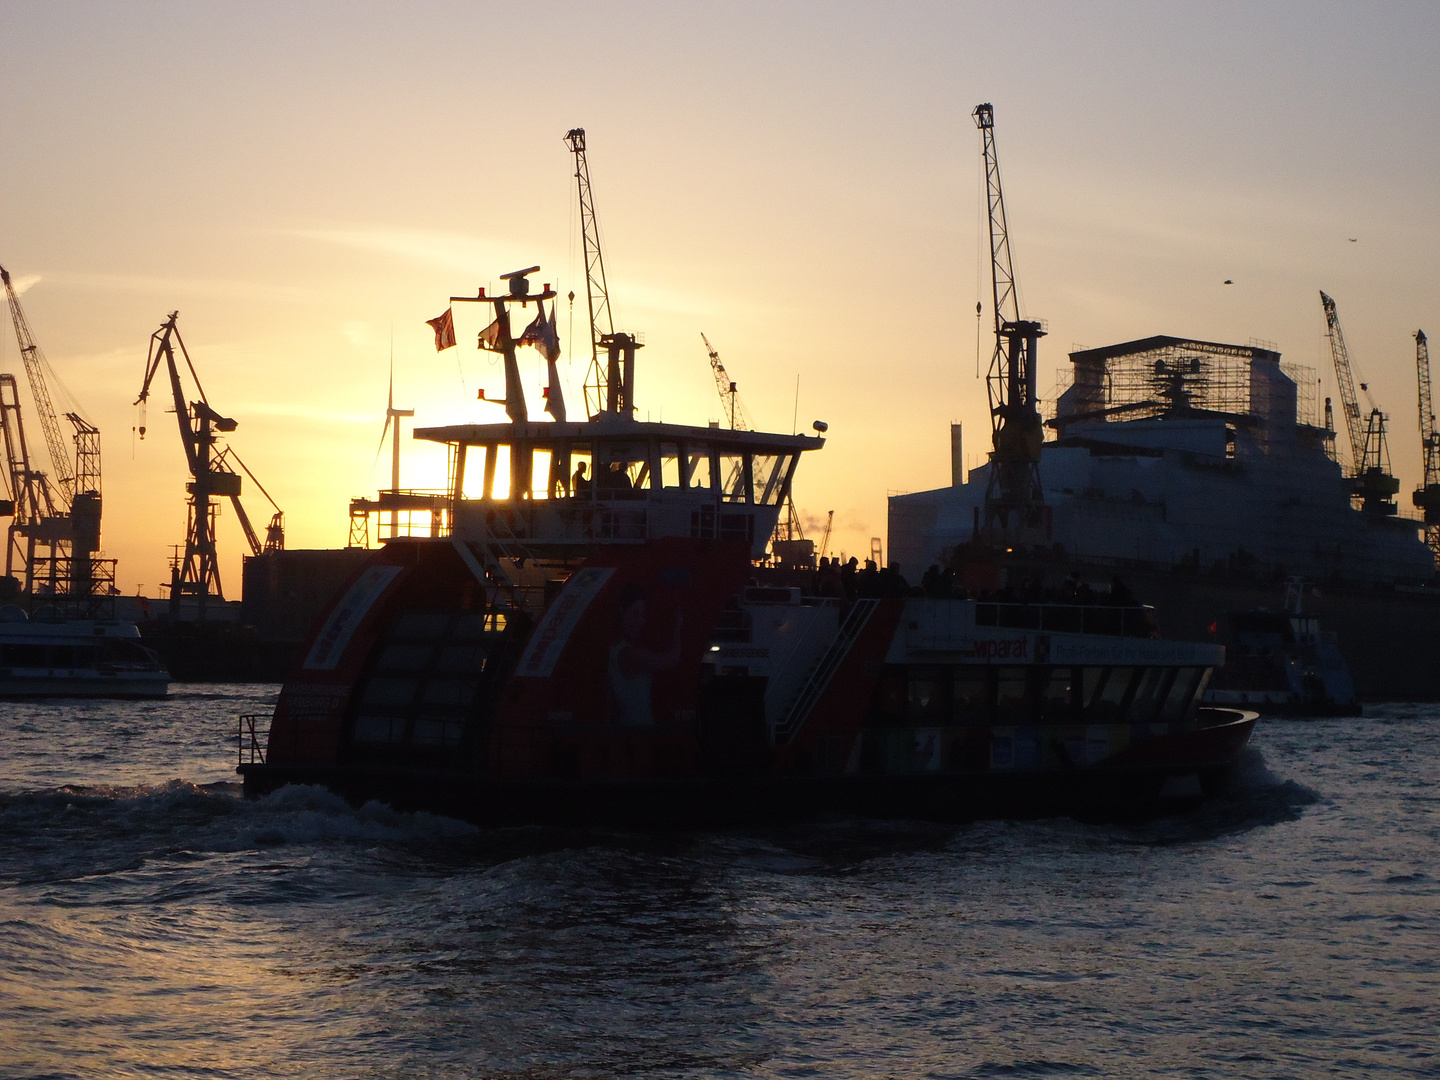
[
  {"x": 699, "y": 471},
  {"x": 769, "y": 472},
  {"x": 672, "y": 463},
  {"x": 735, "y": 478}
]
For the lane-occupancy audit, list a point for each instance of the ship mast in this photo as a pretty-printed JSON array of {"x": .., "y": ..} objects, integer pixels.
[{"x": 1014, "y": 499}]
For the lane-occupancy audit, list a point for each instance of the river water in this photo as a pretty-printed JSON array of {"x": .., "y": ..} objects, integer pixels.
[{"x": 152, "y": 923}]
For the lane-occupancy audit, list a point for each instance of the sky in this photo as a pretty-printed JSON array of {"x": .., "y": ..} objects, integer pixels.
[{"x": 307, "y": 183}]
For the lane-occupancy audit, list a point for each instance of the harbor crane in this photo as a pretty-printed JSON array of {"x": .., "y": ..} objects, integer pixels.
[
  {"x": 1427, "y": 496},
  {"x": 1014, "y": 500},
  {"x": 213, "y": 476},
  {"x": 54, "y": 536},
  {"x": 729, "y": 395},
  {"x": 1372, "y": 483},
  {"x": 788, "y": 530},
  {"x": 609, "y": 387}
]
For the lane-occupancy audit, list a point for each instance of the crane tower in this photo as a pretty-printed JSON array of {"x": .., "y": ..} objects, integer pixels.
[
  {"x": 1014, "y": 500},
  {"x": 1427, "y": 496},
  {"x": 609, "y": 387},
  {"x": 213, "y": 476},
  {"x": 54, "y": 536},
  {"x": 1372, "y": 484}
]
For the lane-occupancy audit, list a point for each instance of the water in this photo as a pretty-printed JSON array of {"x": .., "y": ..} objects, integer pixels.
[{"x": 154, "y": 924}]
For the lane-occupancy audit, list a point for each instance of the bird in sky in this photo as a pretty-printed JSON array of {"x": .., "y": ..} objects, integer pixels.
[
  {"x": 1354, "y": 239},
  {"x": 1229, "y": 282}
]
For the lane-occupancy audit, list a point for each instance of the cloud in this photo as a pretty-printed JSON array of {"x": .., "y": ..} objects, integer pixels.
[
  {"x": 186, "y": 286},
  {"x": 486, "y": 257},
  {"x": 21, "y": 284}
]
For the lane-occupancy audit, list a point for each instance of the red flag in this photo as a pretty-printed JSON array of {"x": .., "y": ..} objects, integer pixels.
[
  {"x": 1214, "y": 626},
  {"x": 444, "y": 327}
]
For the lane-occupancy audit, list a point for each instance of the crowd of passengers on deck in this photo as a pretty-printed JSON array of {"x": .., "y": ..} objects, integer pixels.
[{"x": 849, "y": 581}]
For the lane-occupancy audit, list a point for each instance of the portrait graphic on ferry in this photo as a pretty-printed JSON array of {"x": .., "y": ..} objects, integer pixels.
[{"x": 634, "y": 660}]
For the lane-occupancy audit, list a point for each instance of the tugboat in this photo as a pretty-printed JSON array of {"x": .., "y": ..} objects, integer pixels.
[{"x": 589, "y": 634}]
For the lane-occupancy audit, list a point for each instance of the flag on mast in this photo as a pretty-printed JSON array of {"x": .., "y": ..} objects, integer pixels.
[
  {"x": 490, "y": 337},
  {"x": 444, "y": 327},
  {"x": 541, "y": 333}
]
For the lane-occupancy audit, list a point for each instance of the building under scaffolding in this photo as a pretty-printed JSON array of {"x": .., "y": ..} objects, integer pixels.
[{"x": 1170, "y": 451}]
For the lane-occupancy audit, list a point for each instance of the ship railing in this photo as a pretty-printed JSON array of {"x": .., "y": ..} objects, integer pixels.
[
  {"x": 1100, "y": 619},
  {"x": 250, "y": 741}
]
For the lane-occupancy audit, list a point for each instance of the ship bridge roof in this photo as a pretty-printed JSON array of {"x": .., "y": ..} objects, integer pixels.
[{"x": 613, "y": 429}]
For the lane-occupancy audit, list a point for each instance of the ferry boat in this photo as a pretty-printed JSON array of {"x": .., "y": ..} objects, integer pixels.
[
  {"x": 588, "y": 633},
  {"x": 76, "y": 658}
]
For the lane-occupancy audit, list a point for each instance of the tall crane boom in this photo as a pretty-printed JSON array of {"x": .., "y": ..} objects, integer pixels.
[
  {"x": 597, "y": 296},
  {"x": 1349, "y": 404},
  {"x": 35, "y": 372},
  {"x": 1014, "y": 499},
  {"x": 729, "y": 396},
  {"x": 1427, "y": 496}
]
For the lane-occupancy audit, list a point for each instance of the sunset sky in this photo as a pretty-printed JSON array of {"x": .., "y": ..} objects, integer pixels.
[{"x": 802, "y": 183}]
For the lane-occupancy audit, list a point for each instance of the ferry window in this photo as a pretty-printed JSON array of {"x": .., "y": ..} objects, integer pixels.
[
  {"x": 403, "y": 657},
  {"x": 580, "y": 455},
  {"x": 499, "y": 480},
  {"x": 971, "y": 702},
  {"x": 1011, "y": 706},
  {"x": 892, "y": 696},
  {"x": 1181, "y": 696},
  {"x": 389, "y": 692},
  {"x": 735, "y": 478},
  {"x": 433, "y": 731},
  {"x": 1105, "y": 706},
  {"x": 456, "y": 692},
  {"x": 540, "y": 477},
  {"x": 698, "y": 464},
  {"x": 926, "y": 702},
  {"x": 670, "y": 462},
  {"x": 622, "y": 468},
  {"x": 769, "y": 473},
  {"x": 1055, "y": 694},
  {"x": 461, "y": 659},
  {"x": 473, "y": 482},
  {"x": 25, "y": 655},
  {"x": 372, "y": 728},
  {"x": 1150, "y": 694}
]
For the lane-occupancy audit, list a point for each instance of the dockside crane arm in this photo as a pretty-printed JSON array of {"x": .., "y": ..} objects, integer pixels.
[
  {"x": 162, "y": 349},
  {"x": 35, "y": 365},
  {"x": 1345, "y": 379},
  {"x": 729, "y": 396},
  {"x": 1429, "y": 446},
  {"x": 597, "y": 295}
]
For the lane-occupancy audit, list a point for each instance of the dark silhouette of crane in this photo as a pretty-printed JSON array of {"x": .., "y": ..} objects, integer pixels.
[
  {"x": 1371, "y": 481},
  {"x": 54, "y": 538},
  {"x": 213, "y": 476},
  {"x": 729, "y": 395},
  {"x": 609, "y": 387},
  {"x": 1014, "y": 499},
  {"x": 1427, "y": 495}
]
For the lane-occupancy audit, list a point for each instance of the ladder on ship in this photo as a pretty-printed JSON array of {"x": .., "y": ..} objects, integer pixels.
[{"x": 824, "y": 670}]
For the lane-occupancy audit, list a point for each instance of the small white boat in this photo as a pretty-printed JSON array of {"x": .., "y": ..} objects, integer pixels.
[{"x": 76, "y": 658}]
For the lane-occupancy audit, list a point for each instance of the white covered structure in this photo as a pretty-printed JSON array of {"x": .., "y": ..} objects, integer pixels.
[{"x": 1171, "y": 450}]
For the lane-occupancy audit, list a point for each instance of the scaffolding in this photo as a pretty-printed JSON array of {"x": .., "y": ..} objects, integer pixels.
[{"x": 1166, "y": 376}]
